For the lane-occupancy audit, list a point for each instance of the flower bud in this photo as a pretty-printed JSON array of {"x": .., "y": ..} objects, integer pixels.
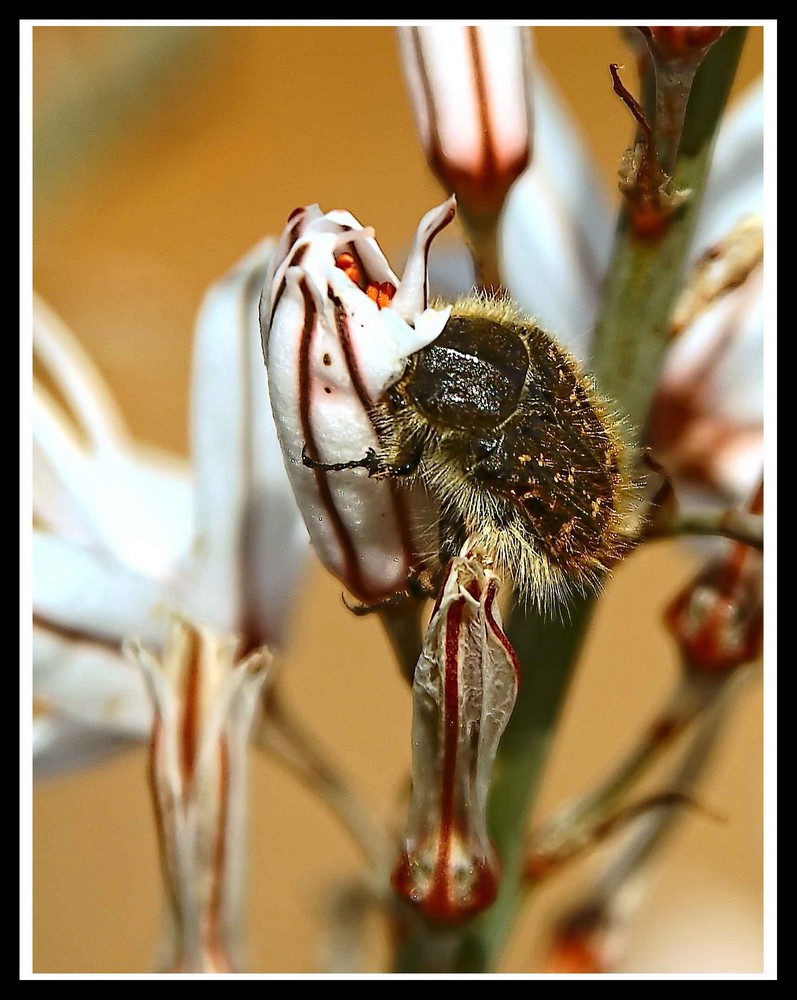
[
  {"x": 689, "y": 42},
  {"x": 338, "y": 328},
  {"x": 470, "y": 92},
  {"x": 718, "y": 619},
  {"x": 463, "y": 692}
]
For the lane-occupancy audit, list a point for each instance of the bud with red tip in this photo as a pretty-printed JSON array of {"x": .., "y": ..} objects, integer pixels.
[
  {"x": 718, "y": 619},
  {"x": 470, "y": 91},
  {"x": 464, "y": 691}
]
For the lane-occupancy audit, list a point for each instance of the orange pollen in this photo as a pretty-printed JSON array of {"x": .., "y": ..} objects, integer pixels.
[
  {"x": 381, "y": 294},
  {"x": 350, "y": 267}
]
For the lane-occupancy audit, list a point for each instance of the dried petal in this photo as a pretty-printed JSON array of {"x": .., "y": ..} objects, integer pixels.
[{"x": 463, "y": 694}]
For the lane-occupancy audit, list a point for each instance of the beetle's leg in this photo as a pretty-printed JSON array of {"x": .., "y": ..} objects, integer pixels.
[
  {"x": 420, "y": 584},
  {"x": 369, "y": 462},
  {"x": 376, "y": 467}
]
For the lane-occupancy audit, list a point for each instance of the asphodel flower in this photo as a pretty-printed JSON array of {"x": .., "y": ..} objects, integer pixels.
[
  {"x": 124, "y": 534},
  {"x": 338, "y": 327},
  {"x": 204, "y": 699},
  {"x": 463, "y": 694}
]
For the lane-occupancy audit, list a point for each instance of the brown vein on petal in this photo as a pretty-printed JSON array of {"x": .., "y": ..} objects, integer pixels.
[
  {"x": 348, "y": 351},
  {"x": 160, "y": 819},
  {"x": 296, "y": 260},
  {"x": 351, "y": 567},
  {"x": 399, "y": 499},
  {"x": 77, "y": 635},
  {"x": 252, "y": 606},
  {"x": 498, "y": 632},
  {"x": 215, "y": 944},
  {"x": 190, "y": 707},
  {"x": 435, "y": 151},
  {"x": 489, "y": 159},
  {"x": 450, "y": 742}
]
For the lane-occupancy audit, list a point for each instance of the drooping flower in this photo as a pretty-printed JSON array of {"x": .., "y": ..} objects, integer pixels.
[
  {"x": 338, "y": 327},
  {"x": 123, "y": 536},
  {"x": 463, "y": 693}
]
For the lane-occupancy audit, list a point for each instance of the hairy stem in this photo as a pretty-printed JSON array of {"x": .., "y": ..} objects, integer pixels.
[{"x": 737, "y": 525}]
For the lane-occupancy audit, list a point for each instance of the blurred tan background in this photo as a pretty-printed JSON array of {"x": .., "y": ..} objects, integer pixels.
[{"x": 163, "y": 154}]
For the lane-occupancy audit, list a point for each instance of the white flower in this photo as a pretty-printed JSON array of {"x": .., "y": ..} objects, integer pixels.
[
  {"x": 123, "y": 535},
  {"x": 204, "y": 701},
  {"x": 338, "y": 327}
]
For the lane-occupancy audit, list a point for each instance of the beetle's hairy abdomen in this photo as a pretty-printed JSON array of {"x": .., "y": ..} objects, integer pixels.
[{"x": 518, "y": 449}]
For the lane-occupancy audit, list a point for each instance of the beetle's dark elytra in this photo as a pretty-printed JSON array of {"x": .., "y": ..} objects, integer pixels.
[{"x": 515, "y": 445}]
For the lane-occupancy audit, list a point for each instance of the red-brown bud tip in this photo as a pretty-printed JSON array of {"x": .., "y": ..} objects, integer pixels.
[{"x": 680, "y": 42}]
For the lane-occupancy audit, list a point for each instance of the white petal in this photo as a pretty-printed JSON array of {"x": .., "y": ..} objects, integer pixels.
[
  {"x": 60, "y": 745},
  {"x": 77, "y": 378},
  {"x": 440, "y": 62},
  {"x": 130, "y": 501},
  {"x": 61, "y": 500},
  {"x": 412, "y": 296},
  {"x": 250, "y": 540},
  {"x": 89, "y": 683},
  {"x": 735, "y": 186},
  {"x": 91, "y": 593},
  {"x": 557, "y": 229}
]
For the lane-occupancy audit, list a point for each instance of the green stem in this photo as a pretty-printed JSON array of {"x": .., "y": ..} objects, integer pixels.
[
  {"x": 482, "y": 234},
  {"x": 645, "y": 276}
]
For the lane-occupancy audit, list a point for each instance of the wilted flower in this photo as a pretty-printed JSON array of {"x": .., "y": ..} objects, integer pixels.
[
  {"x": 204, "y": 700},
  {"x": 121, "y": 537},
  {"x": 463, "y": 694},
  {"x": 338, "y": 327}
]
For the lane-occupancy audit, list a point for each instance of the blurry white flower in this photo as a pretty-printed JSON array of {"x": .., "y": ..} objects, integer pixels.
[
  {"x": 204, "y": 700},
  {"x": 338, "y": 327},
  {"x": 122, "y": 534}
]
